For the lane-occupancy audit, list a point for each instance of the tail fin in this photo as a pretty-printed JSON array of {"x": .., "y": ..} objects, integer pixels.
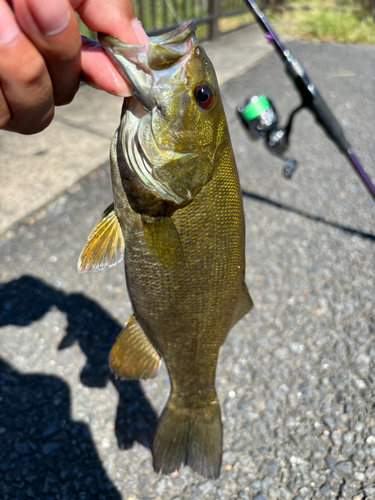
[{"x": 189, "y": 437}]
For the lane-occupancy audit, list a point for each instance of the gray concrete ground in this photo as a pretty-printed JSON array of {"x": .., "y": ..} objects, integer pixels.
[{"x": 296, "y": 377}]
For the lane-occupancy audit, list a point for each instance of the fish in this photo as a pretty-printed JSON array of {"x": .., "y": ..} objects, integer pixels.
[{"x": 177, "y": 221}]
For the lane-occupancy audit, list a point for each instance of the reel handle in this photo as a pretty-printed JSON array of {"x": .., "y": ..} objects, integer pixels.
[{"x": 259, "y": 116}]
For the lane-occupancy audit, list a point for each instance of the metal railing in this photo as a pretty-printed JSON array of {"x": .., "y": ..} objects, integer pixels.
[{"x": 159, "y": 16}]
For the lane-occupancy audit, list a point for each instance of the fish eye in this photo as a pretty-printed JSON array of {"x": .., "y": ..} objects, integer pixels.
[{"x": 204, "y": 96}]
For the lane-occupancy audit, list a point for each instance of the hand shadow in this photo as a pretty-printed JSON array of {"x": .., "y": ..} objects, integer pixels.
[
  {"x": 43, "y": 453},
  {"x": 27, "y": 299}
]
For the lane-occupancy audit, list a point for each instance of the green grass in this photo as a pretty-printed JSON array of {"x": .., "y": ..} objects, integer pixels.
[
  {"x": 234, "y": 22},
  {"x": 325, "y": 21},
  {"x": 83, "y": 29},
  {"x": 320, "y": 20}
]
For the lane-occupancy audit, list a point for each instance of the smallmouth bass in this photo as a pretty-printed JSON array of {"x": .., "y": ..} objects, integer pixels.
[{"x": 177, "y": 220}]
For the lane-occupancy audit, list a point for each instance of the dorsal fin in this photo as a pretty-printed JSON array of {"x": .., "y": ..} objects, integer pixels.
[{"x": 105, "y": 245}]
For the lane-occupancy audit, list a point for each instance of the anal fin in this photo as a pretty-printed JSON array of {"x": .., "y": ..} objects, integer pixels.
[
  {"x": 132, "y": 356},
  {"x": 244, "y": 305}
]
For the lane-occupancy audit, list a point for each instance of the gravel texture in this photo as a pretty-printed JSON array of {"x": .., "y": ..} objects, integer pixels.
[{"x": 296, "y": 377}]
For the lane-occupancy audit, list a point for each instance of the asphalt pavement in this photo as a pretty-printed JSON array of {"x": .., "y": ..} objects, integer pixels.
[{"x": 296, "y": 376}]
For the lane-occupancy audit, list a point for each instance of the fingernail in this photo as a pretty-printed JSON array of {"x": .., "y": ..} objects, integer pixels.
[
  {"x": 8, "y": 26},
  {"x": 51, "y": 16},
  {"x": 139, "y": 32}
]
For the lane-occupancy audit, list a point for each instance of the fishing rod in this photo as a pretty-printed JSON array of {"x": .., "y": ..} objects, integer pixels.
[{"x": 259, "y": 115}]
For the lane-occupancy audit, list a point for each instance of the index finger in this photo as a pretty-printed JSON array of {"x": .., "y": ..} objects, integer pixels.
[{"x": 116, "y": 18}]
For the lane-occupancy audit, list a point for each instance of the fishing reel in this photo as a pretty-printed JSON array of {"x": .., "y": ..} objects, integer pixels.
[{"x": 259, "y": 116}]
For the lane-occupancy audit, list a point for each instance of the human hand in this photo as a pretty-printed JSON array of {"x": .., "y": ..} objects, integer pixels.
[{"x": 42, "y": 56}]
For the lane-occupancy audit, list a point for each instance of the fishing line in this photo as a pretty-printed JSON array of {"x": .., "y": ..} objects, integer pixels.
[
  {"x": 201, "y": 3},
  {"x": 204, "y": 7},
  {"x": 173, "y": 10}
]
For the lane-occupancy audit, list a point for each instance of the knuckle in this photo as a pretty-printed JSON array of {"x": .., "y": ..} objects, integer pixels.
[
  {"x": 42, "y": 125},
  {"x": 33, "y": 71},
  {"x": 28, "y": 125}
]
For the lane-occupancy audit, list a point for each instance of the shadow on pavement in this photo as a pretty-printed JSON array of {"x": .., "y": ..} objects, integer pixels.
[
  {"x": 27, "y": 299},
  {"x": 289, "y": 208},
  {"x": 42, "y": 451}
]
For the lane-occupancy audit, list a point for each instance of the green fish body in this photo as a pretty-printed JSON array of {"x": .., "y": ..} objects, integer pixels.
[{"x": 178, "y": 214}]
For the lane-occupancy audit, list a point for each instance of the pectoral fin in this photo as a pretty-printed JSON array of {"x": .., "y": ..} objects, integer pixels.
[
  {"x": 163, "y": 240},
  {"x": 105, "y": 245},
  {"x": 132, "y": 355},
  {"x": 244, "y": 305}
]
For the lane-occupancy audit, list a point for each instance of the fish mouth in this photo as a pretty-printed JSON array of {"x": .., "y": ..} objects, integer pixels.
[
  {"x": 176, "y": 37},
  {"x": 149, "y": 70},
  {"x": 142, "y": 66}
]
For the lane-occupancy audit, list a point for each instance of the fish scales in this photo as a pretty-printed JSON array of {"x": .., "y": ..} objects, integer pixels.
[
  {"x": 183, "y": 231},
  {"x": 203, "y": 295}
]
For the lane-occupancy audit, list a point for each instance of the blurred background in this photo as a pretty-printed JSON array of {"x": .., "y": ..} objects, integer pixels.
[{"x": 343, "y": 21}]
